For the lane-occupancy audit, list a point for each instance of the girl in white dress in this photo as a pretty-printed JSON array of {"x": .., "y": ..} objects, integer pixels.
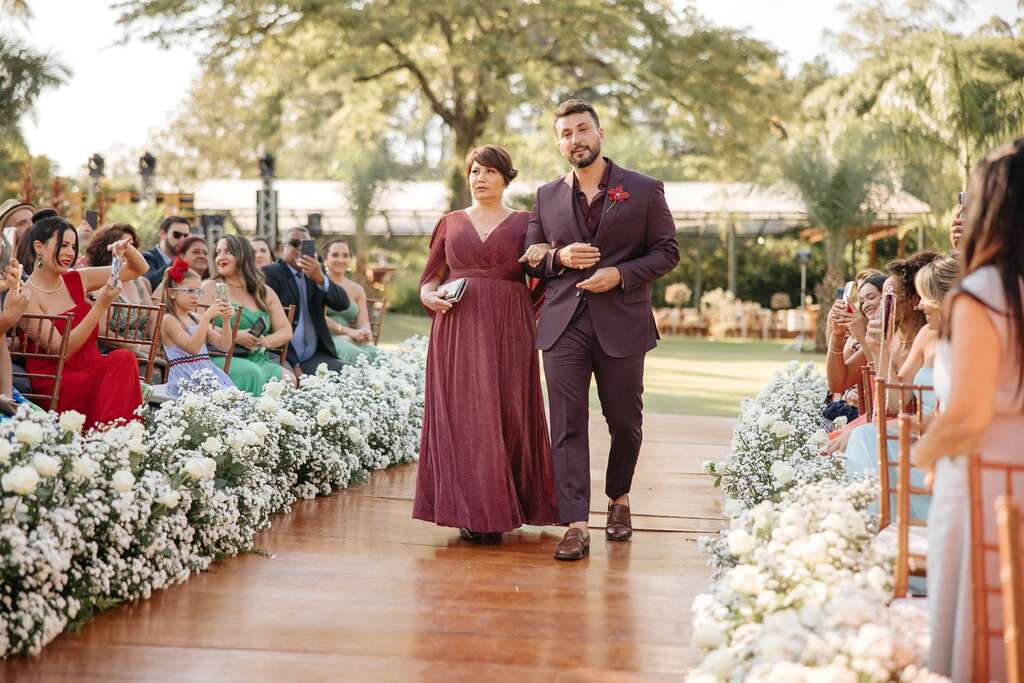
[{"x": 979, "y": 379}]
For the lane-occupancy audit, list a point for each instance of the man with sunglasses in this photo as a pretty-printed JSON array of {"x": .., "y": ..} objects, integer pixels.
[
  {"x": 173, "y": 230},
  {"x": 300, "y": 281}
]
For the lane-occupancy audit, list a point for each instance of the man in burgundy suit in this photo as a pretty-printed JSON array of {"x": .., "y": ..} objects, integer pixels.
[{"x": 611, "y": 235}]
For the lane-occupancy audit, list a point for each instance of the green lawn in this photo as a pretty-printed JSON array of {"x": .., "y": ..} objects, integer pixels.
[{"x": 685, "y": 376}]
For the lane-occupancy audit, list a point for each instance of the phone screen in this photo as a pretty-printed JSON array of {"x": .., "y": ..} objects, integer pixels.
[
  {"x": 961, "y": 199},
  {"x": 888, "y": 309},
  {"x": 308, "y": 248},
  {"x": 222, "y": 291},
  {"x": 92, "y": 218}
]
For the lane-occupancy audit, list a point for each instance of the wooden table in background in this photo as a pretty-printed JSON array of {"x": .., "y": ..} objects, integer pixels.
[{"x": 358, "y": 591}]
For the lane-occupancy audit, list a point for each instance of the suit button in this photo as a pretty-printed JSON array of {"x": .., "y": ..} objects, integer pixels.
[{"x": 578, "y": 292}]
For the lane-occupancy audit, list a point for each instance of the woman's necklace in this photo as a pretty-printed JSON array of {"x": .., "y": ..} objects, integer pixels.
[{"x": 47, "y": 291}]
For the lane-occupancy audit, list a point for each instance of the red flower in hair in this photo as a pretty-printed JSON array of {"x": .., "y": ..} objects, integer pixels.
[{"x": 178, "y": 270}]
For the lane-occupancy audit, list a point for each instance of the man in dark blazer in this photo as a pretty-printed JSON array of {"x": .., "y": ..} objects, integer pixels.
[
  {"x": 611, "y": 235},
  {"x": 300, "y": 281},
  {"x": 173, "y": 229}
]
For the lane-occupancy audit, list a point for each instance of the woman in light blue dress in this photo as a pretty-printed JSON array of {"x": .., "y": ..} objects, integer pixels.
[
  {"x": 931, "y": 284},
  {"x": 350, "y": 327}
]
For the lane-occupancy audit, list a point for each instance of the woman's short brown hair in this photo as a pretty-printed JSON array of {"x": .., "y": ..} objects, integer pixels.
[
  {"x": 97, "y": 253},
  {"x": 494, "y": 157}
]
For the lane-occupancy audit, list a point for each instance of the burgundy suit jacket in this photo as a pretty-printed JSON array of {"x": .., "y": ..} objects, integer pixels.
[{"x": 637, "y": 236}]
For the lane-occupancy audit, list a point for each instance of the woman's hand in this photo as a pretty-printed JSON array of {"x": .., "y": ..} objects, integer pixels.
[
  {"x": 535, "y": 254},
  {"x": 120, "y": 247},
  {"x": 839, "y": 444},
  {"x": 11, "y": 279},
  {"x": 106, "y": 295},
  {"x": 434, "y": 302},
  {"x": 17, "y": 301},
  {"x": 247, "y": 340},
  {"x": 858, "y": 327},
  {"x": 361, "y": 336}
]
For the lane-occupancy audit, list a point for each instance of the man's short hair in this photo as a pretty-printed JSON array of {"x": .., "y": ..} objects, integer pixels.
[
  {"x": 166, "y": 223},
  {"x": 577, "y": 107}
]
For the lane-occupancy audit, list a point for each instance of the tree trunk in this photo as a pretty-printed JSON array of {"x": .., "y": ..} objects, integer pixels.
[
  {"x": 361, "y": 247},
  {"x": 466, "y": 137},
  {"x": 834, "y": 279}
]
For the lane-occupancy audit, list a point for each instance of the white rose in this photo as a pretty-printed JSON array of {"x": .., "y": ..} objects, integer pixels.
[
  {"x": 249, "y": 437},
  {"x": 811, "y": 551},
  {"x": 222, "y": 395},
  {"x": 740, "y": 542},
  {"x": 354, "y": 435},
  {"x": 213, "y": 445},
  {"x": 260, "y": 429},
  {"x": 122, "y": 481},
  {"x": 745, "y": 579},
  {"x": 324, "y": 417},
  {"x": 286, "y": 418},
  {"x": 45, "y": 465},
  {"x": 719, "y": 663},
  {"x": 835, "y": 673},
  {"x": 193, "y": 401},
  {"x": 5, "y": 451},
  {"x": 273, "y": 389},
  {"x": 137, "y": 445},
  {"x": 732, "y": 507},
  {"x": 169, "y": 499},
  {"x": 820, "y": 438},
  {"x": 71, "y": 421},
  {"x": 29, "y": 432},
  {"x": 20, "y": 480},
  {"x": 707, "y": 635},
  {"x": 200, "y": 468},
  {"x": 839, "y": 423},
  {"x": 782, "y": 429},
  {"x": 782, "y": 472},
  {"x": 766, "y": 420},
  {"x": 84, "y": 467},
  {"x": 266, "y": 403}
]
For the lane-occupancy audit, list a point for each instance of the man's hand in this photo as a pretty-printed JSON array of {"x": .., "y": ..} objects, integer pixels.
[
  {"x": 602, "y": 280},
  {"x": 956, "y": 228},
  {"x": 311, "y": 267},
  {"x": 579, "y": 256}
]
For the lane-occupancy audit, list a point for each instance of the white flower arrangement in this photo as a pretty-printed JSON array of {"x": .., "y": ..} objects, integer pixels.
[
  {"x": 89, "y": 520},
  {"x": 800, "y": 589}
]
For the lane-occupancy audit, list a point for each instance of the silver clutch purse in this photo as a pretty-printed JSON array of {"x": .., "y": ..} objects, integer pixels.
[{"x": 452, "y": 291}]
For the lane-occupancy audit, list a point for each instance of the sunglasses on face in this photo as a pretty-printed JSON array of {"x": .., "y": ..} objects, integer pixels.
[
  {"x": 294, "y": 244},
  {"x": 188, "y": 290},
  {"x": 178, "y": 235}
]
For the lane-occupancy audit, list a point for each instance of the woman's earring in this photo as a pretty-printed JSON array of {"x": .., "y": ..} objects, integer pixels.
[{"x": 39, "y": 262}]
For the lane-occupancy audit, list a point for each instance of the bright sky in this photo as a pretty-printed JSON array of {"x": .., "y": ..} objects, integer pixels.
[{"x": 119, "y": 93}]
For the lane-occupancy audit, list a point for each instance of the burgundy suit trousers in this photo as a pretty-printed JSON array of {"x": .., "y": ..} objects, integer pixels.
[{"x": 568, "y": 367}]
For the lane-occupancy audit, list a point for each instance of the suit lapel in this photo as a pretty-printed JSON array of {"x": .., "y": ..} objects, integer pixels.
[
  {"x": 565, "y": 199},
  {"x": 293, "y": 288},
  {"x": 611, "y": 211}
]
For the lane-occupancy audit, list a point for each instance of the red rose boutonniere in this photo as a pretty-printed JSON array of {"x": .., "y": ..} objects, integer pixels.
[{"x": 617, "y": 194}]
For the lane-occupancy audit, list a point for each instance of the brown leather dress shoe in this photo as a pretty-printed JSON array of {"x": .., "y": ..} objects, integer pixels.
[
  {"x": 620, "y": 524},
  {"x": 573, "y": 546}
]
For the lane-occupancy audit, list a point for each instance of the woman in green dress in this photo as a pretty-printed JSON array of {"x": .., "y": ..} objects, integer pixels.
[
  {"x": 252, "y": 364},
  {"x": 351, "y": 327}
]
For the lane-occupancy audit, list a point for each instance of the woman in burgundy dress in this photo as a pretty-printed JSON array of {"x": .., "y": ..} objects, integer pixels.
[
  {"x": 485, "y": 456},
  {"x": 103, "y": 388}
]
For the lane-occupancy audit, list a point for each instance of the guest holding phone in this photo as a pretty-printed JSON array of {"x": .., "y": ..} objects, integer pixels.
[
  {"x": 299, "y": 280},
  {"x": 136, "y": 291},
  {"x": 264, "y": 324}
]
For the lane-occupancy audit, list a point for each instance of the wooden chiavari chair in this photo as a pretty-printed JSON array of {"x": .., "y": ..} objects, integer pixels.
[
  {"x": 23, "y": 347},
  {"x": 985, "y": 581},
  {"x": 283, "y": 349},
  {"x": 1010, "y": 561},
  {"x": 866, "y": 395},
  {"x": 135, "y": 327},
  {"x": 377, "y": 308}
]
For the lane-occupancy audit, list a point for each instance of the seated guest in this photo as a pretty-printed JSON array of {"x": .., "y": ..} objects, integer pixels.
[
  {"x": 300, "y": 281},
  {"x": 979, "y": 373},
  {"x": 866, "y": 297},
  {"x": 186, "y": 334},
  {"x": 173, "y": 229},
  {"x": 17, "y": 215},
  {"x": 351, "y": 327},
  {"x": 15, "y": 303},
  {"x": 193, "y": 251},
  {"x": 136, "y": 291},
  {"x": 251, "y": 366},
  {"x": 262, "y": 251},
  {"x": 103, "y": 388}
]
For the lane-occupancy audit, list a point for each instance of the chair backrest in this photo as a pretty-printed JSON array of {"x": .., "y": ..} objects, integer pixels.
[
  {"x": 868, "y": 378},
  {"x": 232, "y": 331},
  {"x": 136, "y": 327},
  {"x": 908, "y": 394},
  {"x": 985, "y": 581},
  {"x": 376, "y": 308},
  {"x": 283, "y": 349},
  {"x": 909, "y": 432},
  {"x": 22, "y": 344},
  {"x": 1010, "y": 561}
]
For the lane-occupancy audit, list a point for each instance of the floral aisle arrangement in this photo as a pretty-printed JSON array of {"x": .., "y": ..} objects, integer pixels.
[
  {"x": 777, "y": 440},
  {"x": 90, "y": 520},
  {"x": 800, "y": 592}
]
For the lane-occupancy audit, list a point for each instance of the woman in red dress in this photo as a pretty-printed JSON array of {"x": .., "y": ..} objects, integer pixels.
[
  {"x": 105, "y": 389},
  {"x": 485, "y": 456}
]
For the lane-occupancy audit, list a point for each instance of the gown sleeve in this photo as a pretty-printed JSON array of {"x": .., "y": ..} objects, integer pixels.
[{"x": 437, "y": 263}]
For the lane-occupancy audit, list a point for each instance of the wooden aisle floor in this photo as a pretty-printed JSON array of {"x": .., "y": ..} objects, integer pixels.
[{"x": 358, "y": 591}]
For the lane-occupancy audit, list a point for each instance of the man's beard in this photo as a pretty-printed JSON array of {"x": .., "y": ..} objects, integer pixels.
[
  {"x": 169, "y": 248},
  {"x": 583, "y": 162}
]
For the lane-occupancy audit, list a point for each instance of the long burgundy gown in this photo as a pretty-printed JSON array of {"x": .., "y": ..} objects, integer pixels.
[{"x": 485, "y": 455}]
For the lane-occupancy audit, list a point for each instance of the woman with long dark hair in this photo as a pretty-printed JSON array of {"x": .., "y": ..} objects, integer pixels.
[
  {"x": 251, "y": 366},
  {"x": 351, "y": 327},
  {"x": 979, "y": 379},
  {"x": 104, "y": 388}
]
